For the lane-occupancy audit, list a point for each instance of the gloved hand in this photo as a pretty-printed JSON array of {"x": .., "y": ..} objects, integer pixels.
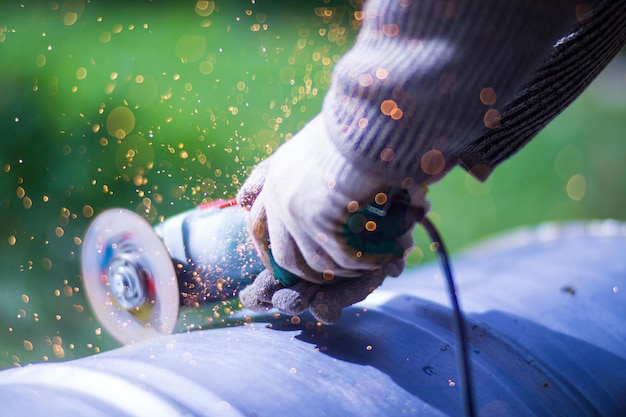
[{"x": 328, "y": 232}]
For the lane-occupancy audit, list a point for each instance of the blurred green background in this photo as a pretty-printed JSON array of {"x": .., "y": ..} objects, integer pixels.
[{"x": 158, "y": 106}]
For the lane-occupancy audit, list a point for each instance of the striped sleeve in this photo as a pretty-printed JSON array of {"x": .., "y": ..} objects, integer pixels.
[
  {"x": 574, "y": 62},
  {"x": 430, "y": 83}
]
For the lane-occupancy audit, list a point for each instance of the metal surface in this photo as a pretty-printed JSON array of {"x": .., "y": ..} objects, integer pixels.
[{"x": 547, "y": 336}]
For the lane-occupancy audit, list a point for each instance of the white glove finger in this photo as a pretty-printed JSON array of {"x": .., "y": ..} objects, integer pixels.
[
  {"x": 395, "y": 268},
  {"x": 256, "y": 223},
  {"x": 258, "y": 295},
  {"x": 304, "y": 258},
  {"x": 330, "y": 300},
  {"x": 295, "y": 299},
  {"x": 253, "y": 186}
]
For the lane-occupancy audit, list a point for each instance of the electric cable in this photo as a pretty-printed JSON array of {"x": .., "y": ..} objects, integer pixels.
[{"x": 463, "y": 361}]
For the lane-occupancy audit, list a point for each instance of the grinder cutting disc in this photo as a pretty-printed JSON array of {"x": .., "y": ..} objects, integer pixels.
[{"x": 129, "y": 277}]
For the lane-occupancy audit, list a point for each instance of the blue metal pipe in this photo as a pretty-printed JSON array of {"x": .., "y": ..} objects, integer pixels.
[{"x": 546, "y": 330}]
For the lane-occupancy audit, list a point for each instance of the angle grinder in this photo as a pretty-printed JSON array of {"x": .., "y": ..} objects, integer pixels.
[{"x": 139, "y": 278}]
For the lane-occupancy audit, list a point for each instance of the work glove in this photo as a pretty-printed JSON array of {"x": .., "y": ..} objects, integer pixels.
[{"x": 328, "y": 232}]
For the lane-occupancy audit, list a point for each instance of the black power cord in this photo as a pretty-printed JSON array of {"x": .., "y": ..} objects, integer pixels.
[
  {"x": 463, "y": 361},
  {"x": 393, "y": 214}
]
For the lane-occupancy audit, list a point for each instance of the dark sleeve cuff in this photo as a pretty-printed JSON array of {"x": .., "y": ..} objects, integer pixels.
[{"x": 575, "y": 61}]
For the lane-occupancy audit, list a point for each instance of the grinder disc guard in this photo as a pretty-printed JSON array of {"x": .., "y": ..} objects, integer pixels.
[{"x": 129, "y": 277}]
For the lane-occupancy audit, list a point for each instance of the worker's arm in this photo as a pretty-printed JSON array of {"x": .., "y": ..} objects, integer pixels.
[{"x": 415, "y": 95}]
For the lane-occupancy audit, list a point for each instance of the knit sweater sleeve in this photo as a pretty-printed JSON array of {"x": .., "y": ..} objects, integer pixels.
[{"x": 432, "y": 83}]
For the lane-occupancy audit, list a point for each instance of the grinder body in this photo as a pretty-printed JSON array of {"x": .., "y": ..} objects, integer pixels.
[
  {"x": 138, "y": 277},
  {"x": 211, "y": 253}
]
